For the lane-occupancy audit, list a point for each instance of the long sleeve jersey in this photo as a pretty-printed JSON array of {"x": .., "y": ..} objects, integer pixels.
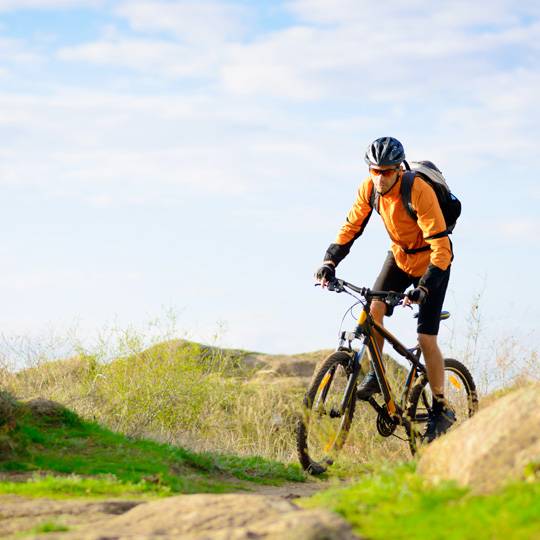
[{"x": 406, "y": 233}]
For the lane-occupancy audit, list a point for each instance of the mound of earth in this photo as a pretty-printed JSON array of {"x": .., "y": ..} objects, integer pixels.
[
  {"x": 492, "y": 448},
  {"x": 216, "y": 517},
  {"x": 269, "y": 365}
]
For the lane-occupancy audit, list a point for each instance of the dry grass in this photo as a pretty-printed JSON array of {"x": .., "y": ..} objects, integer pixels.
[
  {"x": 497, "y": 364},
  {"x": 197, "y": 396},
  {"x": 206, "y": 398}
]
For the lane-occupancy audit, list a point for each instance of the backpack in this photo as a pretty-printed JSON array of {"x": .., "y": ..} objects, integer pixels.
[{"x": 428, "y": 171}]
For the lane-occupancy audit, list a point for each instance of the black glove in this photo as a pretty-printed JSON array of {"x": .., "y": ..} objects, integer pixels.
[
  {"x": 327, "y": 272},
  {"x": 418, "y": 295}
]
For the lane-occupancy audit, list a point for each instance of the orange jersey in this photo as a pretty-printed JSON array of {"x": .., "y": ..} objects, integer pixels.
[{"x": 405, "y": 232}]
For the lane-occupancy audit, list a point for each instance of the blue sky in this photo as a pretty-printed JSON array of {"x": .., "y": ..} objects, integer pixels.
[{"x": 200, "y": 156}]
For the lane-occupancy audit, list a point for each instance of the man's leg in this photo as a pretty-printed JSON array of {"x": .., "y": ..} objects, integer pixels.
[
  {"x": 378, "y": 311},
  {"x": 434, "y": 363},
  {"x": 441, "y": 417}
]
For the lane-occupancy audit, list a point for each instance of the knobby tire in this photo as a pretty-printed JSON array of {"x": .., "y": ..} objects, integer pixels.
[
  {"x": 310, "y": 418},
  {"x": 419, "y": 396}
]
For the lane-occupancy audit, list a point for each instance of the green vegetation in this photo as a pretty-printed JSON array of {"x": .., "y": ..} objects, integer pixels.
[
  {"x": 67, "y": 487},
  {"x": 228, "y": 407},
  {"x": 395, "y": 502},
  {"x": 50, "y": 526},
  {"x": 196, "y": 396},
  {"x": 104, "y": 462},
  {"x": 180, "y": 392}
]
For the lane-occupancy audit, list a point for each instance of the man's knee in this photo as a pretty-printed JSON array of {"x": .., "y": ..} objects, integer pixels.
[
  {"x": 378, "y": 310},
  {"x": 427, "y": 342}
]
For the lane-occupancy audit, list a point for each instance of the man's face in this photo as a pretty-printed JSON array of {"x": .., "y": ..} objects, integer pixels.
[{"x": 384, "y": 177}]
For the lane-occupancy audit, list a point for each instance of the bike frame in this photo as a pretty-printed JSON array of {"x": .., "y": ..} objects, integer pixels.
[{"x": 364, "y": 331}]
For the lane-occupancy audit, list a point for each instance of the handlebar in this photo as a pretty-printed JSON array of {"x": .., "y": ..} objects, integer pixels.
[{"x": 390, "y": 297}]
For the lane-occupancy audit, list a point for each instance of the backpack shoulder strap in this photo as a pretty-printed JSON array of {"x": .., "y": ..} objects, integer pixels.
[
  {"x": 406, "y": 191},
  {"x": 374, "y": 198}
]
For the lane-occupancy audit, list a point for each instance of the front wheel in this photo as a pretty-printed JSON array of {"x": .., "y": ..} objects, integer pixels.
[
  {"x": 459, "y": 392},
  {"x": 323, "y": 427}
]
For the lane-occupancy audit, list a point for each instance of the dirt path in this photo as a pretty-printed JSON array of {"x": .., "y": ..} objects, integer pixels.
[
  {"x": 267, "y": 512},
  {"x": 294, "y": 490}
]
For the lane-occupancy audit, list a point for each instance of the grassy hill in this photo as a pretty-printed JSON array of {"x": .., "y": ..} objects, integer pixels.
[
  {"x": 196, "y": 396},
  {"x": 46, "y": 449}
]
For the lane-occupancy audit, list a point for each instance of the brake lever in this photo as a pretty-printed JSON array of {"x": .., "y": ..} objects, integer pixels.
[{"x": 335, "y": 286}]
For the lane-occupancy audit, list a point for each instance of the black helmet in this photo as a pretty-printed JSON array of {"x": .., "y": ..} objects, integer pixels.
[{"x": 385, "y": 151}]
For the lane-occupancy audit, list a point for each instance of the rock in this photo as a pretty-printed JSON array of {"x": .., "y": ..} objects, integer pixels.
[
  {"x": 492, "y": 448},
  {"x": 20, "y": 514},
  {"x": 218, "y": 517}
]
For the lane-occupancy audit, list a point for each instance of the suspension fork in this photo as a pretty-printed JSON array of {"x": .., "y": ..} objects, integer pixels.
[{"x": 351, "y": 382}]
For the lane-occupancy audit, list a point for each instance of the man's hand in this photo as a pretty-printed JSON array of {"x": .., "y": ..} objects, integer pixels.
[
  {"x": 416, "y": 296},
  {"x": 326, "y": 273}
]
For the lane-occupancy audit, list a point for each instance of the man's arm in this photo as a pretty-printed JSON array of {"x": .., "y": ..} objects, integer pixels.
[
  {"x": 431, "y": 221},
  {"x": 354, "y": 226}
]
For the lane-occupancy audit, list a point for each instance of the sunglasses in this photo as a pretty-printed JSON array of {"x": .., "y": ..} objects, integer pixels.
[{"x": 386, "y": 172}]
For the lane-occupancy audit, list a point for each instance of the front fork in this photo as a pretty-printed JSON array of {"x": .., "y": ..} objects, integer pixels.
[{"x": 351, "y": 382}]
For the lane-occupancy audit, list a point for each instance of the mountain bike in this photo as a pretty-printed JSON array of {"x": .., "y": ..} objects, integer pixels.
[{"x": 330, "y": 401}]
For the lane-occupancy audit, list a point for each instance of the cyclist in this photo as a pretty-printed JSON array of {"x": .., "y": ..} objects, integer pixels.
[{"x": 420, "y": 255}]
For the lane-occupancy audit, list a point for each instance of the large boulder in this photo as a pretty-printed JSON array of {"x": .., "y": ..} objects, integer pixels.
[
  {"x": 492, "y": 448},
  {"x": 219, "y": 517}
]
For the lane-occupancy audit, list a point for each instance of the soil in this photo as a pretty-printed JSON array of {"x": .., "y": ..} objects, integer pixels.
[{"x": 268, "y": 512}]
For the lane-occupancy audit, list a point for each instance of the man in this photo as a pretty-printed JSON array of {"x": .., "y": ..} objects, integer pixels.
[{"x": 421, "y": 254}]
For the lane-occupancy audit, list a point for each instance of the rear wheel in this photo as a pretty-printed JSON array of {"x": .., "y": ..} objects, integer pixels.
[
  {"x": 322, "y": 429},
  {"x": 459, "y": 392}
]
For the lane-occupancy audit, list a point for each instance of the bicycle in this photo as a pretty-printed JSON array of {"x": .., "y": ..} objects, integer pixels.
[{"x": 330, "y": 401}]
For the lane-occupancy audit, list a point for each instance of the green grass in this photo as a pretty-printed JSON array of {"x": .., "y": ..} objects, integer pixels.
[
  {"x": 397, "y": 503},
  {"x": 77, "y": 486},
  {"x": 50, "y": 526},
  {"x": 101, "y": 462}
]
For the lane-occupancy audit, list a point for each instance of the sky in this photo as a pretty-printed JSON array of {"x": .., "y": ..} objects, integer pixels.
[{"x": 198, "y": 157}]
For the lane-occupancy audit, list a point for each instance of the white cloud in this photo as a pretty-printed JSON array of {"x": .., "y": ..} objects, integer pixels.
[
  {"x": 441, "y": 90},
  {"x": 13, "y": 5},
  {"x": 165, "y": 58},
  {"x": 458, "y": 13},
  {"x": 368, "y": 58},
  {"x": 199, "y": 29},
  {"x": 192, "y": 21},
  {"x": 116, "y": 149}
]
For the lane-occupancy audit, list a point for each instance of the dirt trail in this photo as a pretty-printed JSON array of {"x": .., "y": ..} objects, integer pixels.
[
  {"x": 267, "y": 512},
  {"x": 294, "y": 490}
]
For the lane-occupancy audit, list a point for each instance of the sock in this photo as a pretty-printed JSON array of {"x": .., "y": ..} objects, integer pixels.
[{"x": 438, "y": 403}]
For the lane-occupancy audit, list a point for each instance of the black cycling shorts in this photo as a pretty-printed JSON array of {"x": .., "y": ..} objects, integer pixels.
[{"x": 393, "y": 278}]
